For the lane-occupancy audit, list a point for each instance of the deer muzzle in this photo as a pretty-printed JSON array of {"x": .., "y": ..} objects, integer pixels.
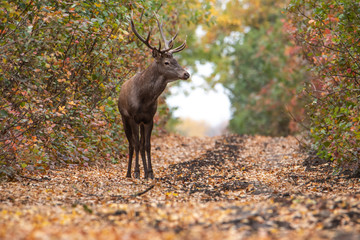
[{"x": 185, "y": 75}]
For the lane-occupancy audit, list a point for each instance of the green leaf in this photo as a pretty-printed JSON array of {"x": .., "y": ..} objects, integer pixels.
[
  {"x": 12, "y": 26},
  {"x": 4, "y": 113}
]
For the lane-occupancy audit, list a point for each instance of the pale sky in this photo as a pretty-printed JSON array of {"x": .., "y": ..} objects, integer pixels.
[{"x": 211, "y": 106}]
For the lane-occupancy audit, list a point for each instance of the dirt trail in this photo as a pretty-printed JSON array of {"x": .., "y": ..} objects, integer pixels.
[{"x": 231, "y": 187}]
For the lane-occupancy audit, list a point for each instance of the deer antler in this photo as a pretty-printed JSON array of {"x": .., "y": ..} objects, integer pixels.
[
  {"x": 168, "y": 44},
  {"x": 146, "y": 42}
]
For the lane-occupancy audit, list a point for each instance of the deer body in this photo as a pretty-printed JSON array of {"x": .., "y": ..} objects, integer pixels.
[
  {"x": 138, "y": 96},
  {"x": 138, "y": 101}
]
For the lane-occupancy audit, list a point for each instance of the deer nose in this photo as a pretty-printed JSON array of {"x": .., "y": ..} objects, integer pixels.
[{"x": 186, "y": 75}]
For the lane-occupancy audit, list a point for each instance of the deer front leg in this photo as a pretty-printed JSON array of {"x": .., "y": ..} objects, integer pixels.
[
  {"x": 148, "y": 130},
  {"x": 142, "y": 148}
]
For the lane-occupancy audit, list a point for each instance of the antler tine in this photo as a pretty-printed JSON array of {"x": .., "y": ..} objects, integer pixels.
[
  {"x": 159, "y": 45},
  {"x": 171, "y": 42},
  {"x": 146, "y": 42},
  {"x": 161, "y": 31},
  {"x": 179, "y": 48},
  {"x": 168, "y": 44}
]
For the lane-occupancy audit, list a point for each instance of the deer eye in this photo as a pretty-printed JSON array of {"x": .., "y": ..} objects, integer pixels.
[{"x": 166, "y": 63}]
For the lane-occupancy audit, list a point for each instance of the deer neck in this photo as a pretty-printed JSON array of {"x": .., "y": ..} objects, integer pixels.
[{"x": 151, "y": 83}]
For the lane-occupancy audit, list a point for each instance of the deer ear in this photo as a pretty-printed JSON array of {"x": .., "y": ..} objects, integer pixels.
[{"x": 155, "y": 53}]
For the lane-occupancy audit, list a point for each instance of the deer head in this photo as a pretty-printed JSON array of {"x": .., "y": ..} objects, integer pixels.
[{"x": 166, "y": 63}]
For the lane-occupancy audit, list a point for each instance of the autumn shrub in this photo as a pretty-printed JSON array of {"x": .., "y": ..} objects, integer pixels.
[
  {"x": 329, "y": 33},
  {"x": 61, "y": 63}
]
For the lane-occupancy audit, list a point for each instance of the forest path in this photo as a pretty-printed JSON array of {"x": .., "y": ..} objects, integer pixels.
[{"x": 230, "y": 187}]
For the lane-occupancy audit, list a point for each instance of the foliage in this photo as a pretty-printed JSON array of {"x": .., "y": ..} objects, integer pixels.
[
  {"x": 329, "y": 33},
  {"x": 266, "y": 78},
  {"x": 258, "y": 64},
  {"x": 61, "y": 64}
]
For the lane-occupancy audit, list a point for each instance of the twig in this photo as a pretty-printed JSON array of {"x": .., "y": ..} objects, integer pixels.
[
  {"x": 35, "y": 179},
  {"x": 115, "y": 196},
  {"x": 143, "y": 192},
  {"x": 135, "y": 194},
  {"x": 159, "y": 8},
  {"x": 296, "y": 120}
]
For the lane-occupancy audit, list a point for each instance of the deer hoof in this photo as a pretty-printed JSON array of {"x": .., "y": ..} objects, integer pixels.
[
  {"x": 136, "y": 175},
  {"x": 150, "y": 175},
  {"x": 128, "y": 175}
]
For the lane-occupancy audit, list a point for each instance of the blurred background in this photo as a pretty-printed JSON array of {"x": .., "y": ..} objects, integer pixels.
[{"x": 247, "y": 72}]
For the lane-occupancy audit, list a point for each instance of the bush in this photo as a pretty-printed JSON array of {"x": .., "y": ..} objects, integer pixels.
[
  {"x": 61, "y": 63},
  {"x": 328, "y": 31}
]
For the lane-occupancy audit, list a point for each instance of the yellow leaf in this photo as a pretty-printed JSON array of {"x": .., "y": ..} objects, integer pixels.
[
  {"x": 62, "y": 109},
  {"x": 171, "y": 194}
]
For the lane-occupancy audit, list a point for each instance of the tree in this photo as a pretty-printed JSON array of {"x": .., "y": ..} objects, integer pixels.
[{"x": 264, "y": 83}]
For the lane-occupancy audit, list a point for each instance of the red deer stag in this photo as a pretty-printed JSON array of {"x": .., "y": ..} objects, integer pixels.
[{"x": 138, "y": 97}]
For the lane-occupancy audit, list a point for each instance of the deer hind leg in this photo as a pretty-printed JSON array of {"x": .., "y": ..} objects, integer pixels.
[
  {"x": 142, "y": 148},
  {"x": 128, "y": 133},
  {"x": 148, "y": 129}
]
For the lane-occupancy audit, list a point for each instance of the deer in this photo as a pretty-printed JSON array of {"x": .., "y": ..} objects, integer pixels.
[{"x": 138, "y": 98}]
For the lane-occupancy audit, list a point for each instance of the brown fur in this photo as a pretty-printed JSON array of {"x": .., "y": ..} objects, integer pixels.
[{"x": 138, "y": 104}]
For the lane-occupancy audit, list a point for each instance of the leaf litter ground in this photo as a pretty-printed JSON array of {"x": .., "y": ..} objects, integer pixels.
[{"x": 229, "y": 187}]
